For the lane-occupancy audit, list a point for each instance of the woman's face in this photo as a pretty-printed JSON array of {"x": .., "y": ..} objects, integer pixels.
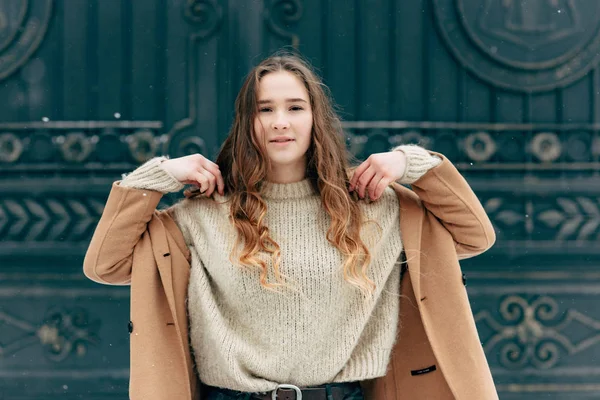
[{"x": 284, "y": 121}]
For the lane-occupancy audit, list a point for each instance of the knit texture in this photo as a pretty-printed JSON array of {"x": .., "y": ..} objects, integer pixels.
[
  {"x": 419, "y": 161},
  {"x": 148, "y": 176},
  {"x": 321, "y": 329}
]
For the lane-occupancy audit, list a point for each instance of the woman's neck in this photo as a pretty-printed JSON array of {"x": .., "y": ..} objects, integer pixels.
[{"x": 287, "y": 173}]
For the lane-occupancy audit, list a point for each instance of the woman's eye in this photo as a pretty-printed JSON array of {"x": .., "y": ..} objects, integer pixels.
[
  {"x": 296, "y": 108},
  {"x": 265, "y": 109}
]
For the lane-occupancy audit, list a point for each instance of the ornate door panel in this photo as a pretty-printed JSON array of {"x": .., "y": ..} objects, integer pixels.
[
  {"x": 89, "y": 90},
  {"x": 508, "y": 90}
]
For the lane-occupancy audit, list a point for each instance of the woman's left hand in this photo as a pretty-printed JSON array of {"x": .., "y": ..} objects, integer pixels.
[{"x": 377, "y": 172}]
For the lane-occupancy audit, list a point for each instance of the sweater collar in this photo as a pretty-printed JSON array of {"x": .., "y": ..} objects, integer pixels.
[{"x": 283, "y": 191}]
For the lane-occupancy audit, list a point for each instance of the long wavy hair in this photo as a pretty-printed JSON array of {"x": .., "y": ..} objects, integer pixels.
[{"x": 244, "y": 163}]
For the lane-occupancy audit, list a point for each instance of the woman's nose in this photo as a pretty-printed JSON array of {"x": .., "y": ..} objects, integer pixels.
[{"x": 281, "y": 123}]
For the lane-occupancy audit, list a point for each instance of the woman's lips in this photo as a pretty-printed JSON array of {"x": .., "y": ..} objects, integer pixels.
[{"x": 282, "y": 143}]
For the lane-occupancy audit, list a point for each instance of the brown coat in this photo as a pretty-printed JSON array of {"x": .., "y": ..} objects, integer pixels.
[{"x": 441, "y": 222}]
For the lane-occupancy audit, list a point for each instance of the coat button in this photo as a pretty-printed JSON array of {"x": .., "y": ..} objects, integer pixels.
[
  {"x": 464, "y": 279},
  {"x": 130, "y": 326}
]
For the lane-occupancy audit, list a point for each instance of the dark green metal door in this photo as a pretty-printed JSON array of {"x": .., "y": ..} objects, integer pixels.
[{"x": 509, "y": 90}]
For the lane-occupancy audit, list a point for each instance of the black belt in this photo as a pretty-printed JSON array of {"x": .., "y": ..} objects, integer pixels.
[{"x": 330, "y": 391}]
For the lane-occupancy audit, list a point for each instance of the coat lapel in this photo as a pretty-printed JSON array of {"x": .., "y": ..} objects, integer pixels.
[
  {"x": 396, "y": 384},
  {"x": 164, "y": 228},
  {"x": 411, "y": 224},
  {"x": 160, "y": 247}
]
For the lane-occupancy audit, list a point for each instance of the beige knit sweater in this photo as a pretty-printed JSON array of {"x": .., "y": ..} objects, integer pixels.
[{"x": 250, "y": 339}]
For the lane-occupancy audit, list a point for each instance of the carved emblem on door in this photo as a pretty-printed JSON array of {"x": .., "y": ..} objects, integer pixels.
[
  {"x": 524, "y": 45},
  {"x": 23, "y": 24}
]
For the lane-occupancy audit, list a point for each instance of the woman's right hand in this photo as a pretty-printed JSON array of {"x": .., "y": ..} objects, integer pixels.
[{"x": 196, "y": 169}]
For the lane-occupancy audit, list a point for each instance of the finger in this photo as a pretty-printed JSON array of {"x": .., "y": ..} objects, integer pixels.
[
  {"x": 213, "y": 172},
  {"x": 210, "y": 166},
  {"x": 216, "y": 172},
  {"x": 357, "y": 173},
  {"x": 373, "y": 184},
  {"x": 383, "y": 183},
  {"x": 212, "y": 182},
  {"x": 220, "y": 183},
  {"x": 202, "y": 181},
  {"x": 364, "y": 180}
]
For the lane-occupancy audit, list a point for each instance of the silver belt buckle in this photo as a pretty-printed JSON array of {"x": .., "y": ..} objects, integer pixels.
[{"x": 286, "y": 386}]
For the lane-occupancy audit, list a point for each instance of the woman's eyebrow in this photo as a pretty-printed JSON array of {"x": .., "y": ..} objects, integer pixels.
[{"x": 294, "y": 100}]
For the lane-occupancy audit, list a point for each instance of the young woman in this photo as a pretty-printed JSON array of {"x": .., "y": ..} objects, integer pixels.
[{"x": 280, "y": 275}]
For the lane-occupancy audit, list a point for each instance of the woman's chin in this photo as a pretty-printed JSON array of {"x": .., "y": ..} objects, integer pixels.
[{"x": 284, "y": 161}]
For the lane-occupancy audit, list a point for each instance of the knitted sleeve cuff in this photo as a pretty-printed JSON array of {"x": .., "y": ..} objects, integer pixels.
[
  {"x": 153, "y": 177},
  {"x": 418, "y": 162}
]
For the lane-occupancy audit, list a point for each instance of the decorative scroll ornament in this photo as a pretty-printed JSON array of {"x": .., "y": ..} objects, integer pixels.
[
  {"x": 281, "y": 13},
  {"x": 522, "y": 45},
  {"x": 67, "y": 331},
  {"x": 62, "y": 333},
  {"x": 410, "y": 137},
  {"x": 23, "y": 25},
  {"x": 79, "y": 147},
  {"x": 546, "y": 146},
  {"x": 207, "y": 17},
  {"x": 192, "y": 144},
  {"x": 480, "y": 146},
  {"x": 534, "y": 332},
  {"x": 142, "y": 145},
  {"x": 11, "y": 147},
  {"x": 76, "y": 147},
  {"x": 207, "y": 14}
]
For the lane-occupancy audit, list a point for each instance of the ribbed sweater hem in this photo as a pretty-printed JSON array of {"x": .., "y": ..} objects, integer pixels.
[
  {"x": 152, "y": 176},
  {"x": 418, "y": 162},
  {"x": 367, "y": 366}
]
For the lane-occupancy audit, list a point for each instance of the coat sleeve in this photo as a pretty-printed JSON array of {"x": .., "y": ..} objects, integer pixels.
[
  {"x": 125, "y": 218},
  {"x": 447, "y": 195}
]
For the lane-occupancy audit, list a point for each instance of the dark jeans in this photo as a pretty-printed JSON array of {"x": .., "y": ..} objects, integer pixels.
[{"x": 213, "y": 393}]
